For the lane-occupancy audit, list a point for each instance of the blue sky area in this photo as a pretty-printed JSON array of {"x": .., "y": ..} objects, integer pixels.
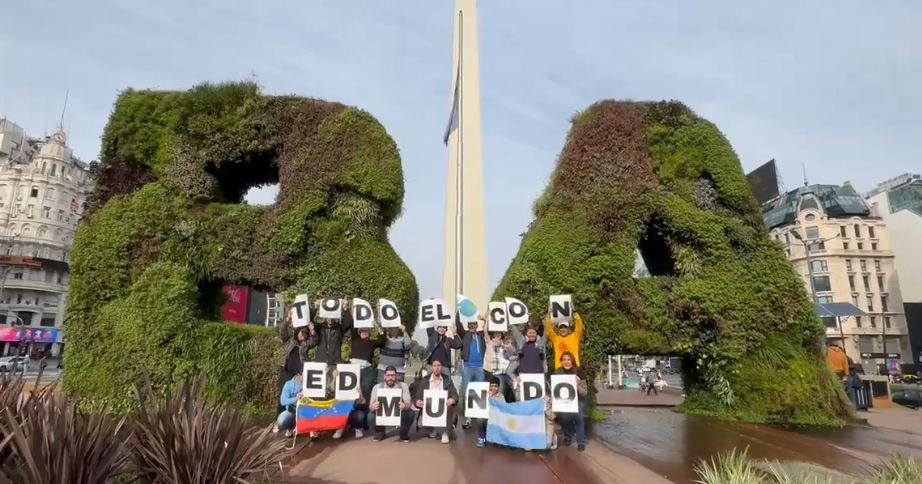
[{"x": 833, "y": 85}]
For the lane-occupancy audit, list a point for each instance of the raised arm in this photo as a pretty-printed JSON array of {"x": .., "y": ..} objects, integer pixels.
[
  {"x": 284, "y": 330},
  {"x": 459, "y": 328},
  {"x": 455, "y": 343},
  {"x": 549, "y": 329},
  {"x": 578, "y": 326},
  {"x": 346, "y": 323}
]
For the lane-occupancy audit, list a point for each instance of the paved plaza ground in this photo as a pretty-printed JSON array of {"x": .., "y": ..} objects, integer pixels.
[{"x": 637, "y": 446}]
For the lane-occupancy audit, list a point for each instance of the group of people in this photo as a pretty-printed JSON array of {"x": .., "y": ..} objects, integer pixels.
[{"x": 499, "y": 358}]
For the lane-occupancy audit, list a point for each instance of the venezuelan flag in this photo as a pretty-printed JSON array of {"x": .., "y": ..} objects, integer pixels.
[{"x": 320, "y": 415}]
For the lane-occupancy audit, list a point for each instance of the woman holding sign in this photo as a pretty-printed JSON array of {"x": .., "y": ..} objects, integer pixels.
[
  {"x": 294, "y": 353},
  {"x": 574, "y": 423}
]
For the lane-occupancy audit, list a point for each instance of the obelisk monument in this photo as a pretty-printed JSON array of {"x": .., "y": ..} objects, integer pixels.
[{"x": 465, "y": 268}]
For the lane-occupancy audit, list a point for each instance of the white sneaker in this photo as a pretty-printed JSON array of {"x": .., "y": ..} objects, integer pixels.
[
  {"x": 359, "y": 433},
  {"x": 338, "y": 434},
  {"x": 445, "y": 438},
  {"x": 275, "y": 429},
  {"x": 314, "y": 435},
  {"x": 289, "y": 433}
]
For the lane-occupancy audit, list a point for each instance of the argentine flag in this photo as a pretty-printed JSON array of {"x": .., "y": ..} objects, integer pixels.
[{"x": 519, "y": 424}]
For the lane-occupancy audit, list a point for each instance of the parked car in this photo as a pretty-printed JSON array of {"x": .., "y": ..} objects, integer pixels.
[
  {"x": 907, "y": 397},
  {"x": 13, "y": 364}
]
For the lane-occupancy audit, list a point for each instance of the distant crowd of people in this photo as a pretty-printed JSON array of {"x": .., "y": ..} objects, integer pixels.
[{"x": 500, "y": 358}]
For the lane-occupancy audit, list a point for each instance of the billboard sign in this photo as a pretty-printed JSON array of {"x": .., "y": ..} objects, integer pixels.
[
  {"x": 16, "y": 335},
  {"x": 235, "y": 310}
]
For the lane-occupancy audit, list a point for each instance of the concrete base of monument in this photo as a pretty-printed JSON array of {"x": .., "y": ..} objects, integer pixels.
[{"x": 427, "y": 461}]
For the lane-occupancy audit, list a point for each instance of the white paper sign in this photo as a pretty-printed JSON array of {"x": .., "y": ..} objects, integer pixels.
[
  {"x": 300, "y": 311},
  {"x": 467, "y": 310},
  {"x": 435, "y": 409},
  {"x": 362, "y": 314},
  {"x": 388, "y": 414},
  {"x": 330, "y": 309},
  {"x": 496, "y": 320},
  {"x": 314, "y": 380},
  {"x": 347, "y": 382},
  {"x": 516, "y": 311},
  {"x": 435, "y": 312},
  {"x": 477, "y": 400},
  {"x": 561, "y": 309},
  {"x": 388, "y": 315},
  {"x": 531, "y": 386},
  {"x": 563, "y": 394}
]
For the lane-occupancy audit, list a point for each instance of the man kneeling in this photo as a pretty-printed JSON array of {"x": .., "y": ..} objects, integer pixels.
[{"x": 407, "y": 416}]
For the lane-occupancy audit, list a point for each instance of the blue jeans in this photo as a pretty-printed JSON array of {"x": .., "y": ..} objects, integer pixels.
[
  {"x": 286, "y": 420},
  {"x": 575, "y": 423},
  {"x": 357, "y": 418},
  {"x": 471, "y": 374}
]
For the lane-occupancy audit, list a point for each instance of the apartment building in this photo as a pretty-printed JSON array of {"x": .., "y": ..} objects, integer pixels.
[
  {"x": 899, "y": 203},
  {"x": 43, "y": 187},
  {"x": 851, "y": 259}
]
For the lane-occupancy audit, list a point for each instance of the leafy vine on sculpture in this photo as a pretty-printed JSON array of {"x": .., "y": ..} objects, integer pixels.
[
  {"x": 658, "y": 179},
  {"x": 166, "y": 228}
]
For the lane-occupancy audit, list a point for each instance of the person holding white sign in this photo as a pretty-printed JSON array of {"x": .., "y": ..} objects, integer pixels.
[
  {"x": 438, "y": 381},
  {"x": 330, "y": 334},
  {"x": 574, "y": 423},
  {"x": 565, "y": 337},
  {"x": 439, "y": 348},
  {"x": 391, "y": 403},
  {"x": 294, "y": 354},
  {"x": 397, "y": 348},
  {"x": 493, "y": 393}
]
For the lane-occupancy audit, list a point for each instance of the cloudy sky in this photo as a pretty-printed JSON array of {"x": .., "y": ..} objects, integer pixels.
[{"x": 832, "y": 85}]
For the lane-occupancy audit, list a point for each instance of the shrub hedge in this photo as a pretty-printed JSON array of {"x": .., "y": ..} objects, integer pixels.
[
  {"x": 656, "y": 177},
  {"x": 166, "y": 227}
]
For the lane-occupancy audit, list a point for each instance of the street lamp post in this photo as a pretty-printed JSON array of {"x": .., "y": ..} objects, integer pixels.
[{"x": 816, "y": 299}]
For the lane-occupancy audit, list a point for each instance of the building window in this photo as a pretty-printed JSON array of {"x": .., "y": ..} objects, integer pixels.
[
  {"x": 880, "y": 283},
  {"x": 867, "y": 283},
  {"x": 876, "y": 266},
  {"x": 857, "y": 321},
  {"x": 860, "y": 246},
  {"x": 47, "y": 212},
  {"x": 813, "y": 233},
  {"x": 787, "y": 238},
  {"x": 817, "y": 247},
  {"x": 821, "y": 284},
  {"x": 854, "y": 300},
  {"x": 857, "y": 230},
  {"x": 864, "y": 265},
  {"x": 842, "y": 231},
  {"x": 870, "y": 303},
  {"x": 884, "y": 304},
  {"x": 49, "y": 194},
  {"x": 49, "y": 276},
  {"x": 887, "y": 322},
  {"x": 844, "y": 245},
  {"x": 19, "y": 299},
  {"x": 824, "y": 299},
  {"x": 873, "y": 321},
  {"x": 871, "y": 232},
  {"x": 873, "y": 245},
  {"x": 17, "y": 275},
  {"x": 848, "y": 265},
  {"x": 34, "y": 192},
  {"x": 60, "y": 215},
  {"x": 851, "y": 283},
  {"x": 54, "y": 171},
  {"x": 818, "y": 265}
]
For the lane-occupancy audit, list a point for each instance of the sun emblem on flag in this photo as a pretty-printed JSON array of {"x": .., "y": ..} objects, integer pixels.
[{"x": 512, "y": 424}]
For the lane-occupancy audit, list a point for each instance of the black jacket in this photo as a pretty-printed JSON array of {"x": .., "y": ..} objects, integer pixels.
[
  {"x": 447, "y": 385},
  {"x": 468, "y": 337},
  {"x": 288, "y": 337},
  {"x": 330, "y": 339},
  {"x": 435, "y": 339}
]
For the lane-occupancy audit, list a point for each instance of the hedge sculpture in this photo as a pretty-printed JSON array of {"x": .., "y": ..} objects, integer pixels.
[
  {"x": 166, "y": 228},
  {"x": 655, "y": 177}
]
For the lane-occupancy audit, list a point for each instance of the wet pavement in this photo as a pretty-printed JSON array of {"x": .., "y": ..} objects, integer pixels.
[
  {"x": 427, "y": 461},
  {"x": 671, "y": 444}
]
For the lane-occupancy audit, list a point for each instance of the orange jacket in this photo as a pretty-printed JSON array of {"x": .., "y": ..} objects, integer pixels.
[
  {"x": 837, "y": 360},
  {"x": 569, "y": 343}
]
